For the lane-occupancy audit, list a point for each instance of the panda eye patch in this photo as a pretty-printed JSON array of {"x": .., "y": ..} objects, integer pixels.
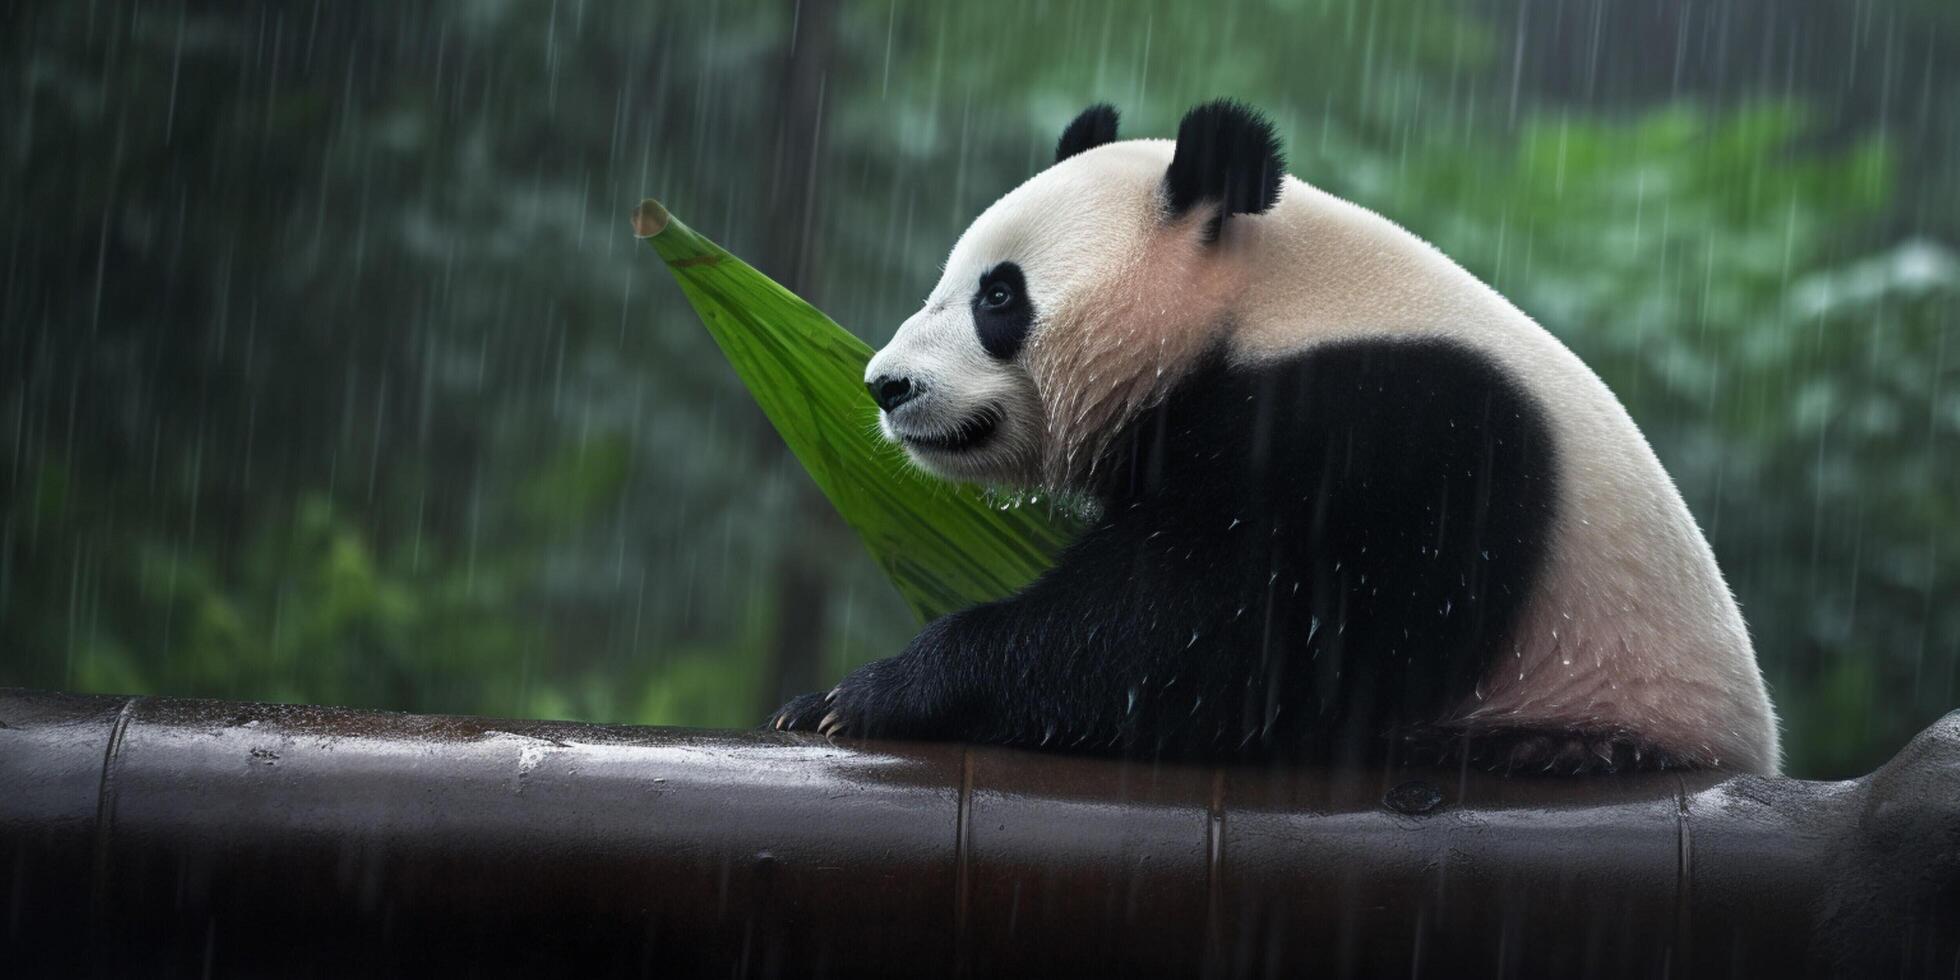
[{"x": 1002, "y": 314}]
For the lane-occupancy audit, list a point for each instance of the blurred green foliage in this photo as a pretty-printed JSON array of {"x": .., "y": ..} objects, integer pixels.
[{"x": 329, "y": 370}]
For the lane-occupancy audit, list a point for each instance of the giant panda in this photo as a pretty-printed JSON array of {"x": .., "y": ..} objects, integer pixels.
[{"x": 1349, "y": 504}]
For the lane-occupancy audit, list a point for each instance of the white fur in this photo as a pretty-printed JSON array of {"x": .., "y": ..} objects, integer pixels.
[{"x": 1632, "y": 623}]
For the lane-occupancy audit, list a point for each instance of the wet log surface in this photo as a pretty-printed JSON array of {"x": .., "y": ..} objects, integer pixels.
[{"x": 165, "y": 837}]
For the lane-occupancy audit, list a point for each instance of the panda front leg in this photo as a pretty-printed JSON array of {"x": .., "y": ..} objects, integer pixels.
[
  {"x": 967, "y": 676},
  {"x": 1132, "y": 643},
  {"x": 926, "y": 692}
]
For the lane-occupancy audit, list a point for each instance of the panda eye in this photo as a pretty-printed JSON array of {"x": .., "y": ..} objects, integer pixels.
[{"x": 1003, "y": 313}]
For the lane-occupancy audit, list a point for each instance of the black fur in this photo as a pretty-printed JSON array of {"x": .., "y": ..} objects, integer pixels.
[
  {"x": 1227, "y": 154},
  {"x": 1094, "y": 127},
  {"x": 1314, "y": 558},
  {"x": 1003, "y": 328}
]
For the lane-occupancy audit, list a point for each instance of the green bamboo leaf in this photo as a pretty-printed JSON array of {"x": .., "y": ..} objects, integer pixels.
[{"x": 945, "y": 546}]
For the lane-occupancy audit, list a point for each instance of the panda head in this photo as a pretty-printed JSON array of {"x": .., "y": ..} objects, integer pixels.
[{"x": 1078, "y": 299}]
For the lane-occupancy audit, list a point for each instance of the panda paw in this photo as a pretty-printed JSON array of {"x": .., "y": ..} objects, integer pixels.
[
  {"x": 883, "y": 699},
  {"x": 800, "y": 714}
]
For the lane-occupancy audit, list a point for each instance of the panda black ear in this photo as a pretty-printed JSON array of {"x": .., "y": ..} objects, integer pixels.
[
  {"x": 1094, "y": 127},
  {"x": 1227, "y": 153}
]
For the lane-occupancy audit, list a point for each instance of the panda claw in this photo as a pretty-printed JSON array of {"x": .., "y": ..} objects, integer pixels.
[{"x": 797, "y": 715}]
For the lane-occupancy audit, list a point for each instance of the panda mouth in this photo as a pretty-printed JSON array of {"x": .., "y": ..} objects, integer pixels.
[{"x": 970, "y": 434}]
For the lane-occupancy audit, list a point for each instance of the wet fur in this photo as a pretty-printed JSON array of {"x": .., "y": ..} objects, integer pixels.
[{"x": 1122, "y": 346}]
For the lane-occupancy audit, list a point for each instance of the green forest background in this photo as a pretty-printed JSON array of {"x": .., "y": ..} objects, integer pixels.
[{"x": 330, "y": 372}]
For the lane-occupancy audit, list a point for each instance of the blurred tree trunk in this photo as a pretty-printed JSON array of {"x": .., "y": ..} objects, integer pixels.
[{"x": 802, "y": 584}]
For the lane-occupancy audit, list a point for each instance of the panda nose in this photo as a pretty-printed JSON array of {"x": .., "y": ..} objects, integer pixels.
[{"x": 890, "y": 392}]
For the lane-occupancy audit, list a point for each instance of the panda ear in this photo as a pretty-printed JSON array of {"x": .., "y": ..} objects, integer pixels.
[
  {"x": 1228, "y": 154},
  {"x": 1094, "y": 127}
]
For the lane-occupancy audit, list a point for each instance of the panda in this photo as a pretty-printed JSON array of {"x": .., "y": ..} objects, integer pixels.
[{"x": 1349, "y": 504}]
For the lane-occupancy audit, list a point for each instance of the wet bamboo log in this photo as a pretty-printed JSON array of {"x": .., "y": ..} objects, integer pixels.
[{"x": 165, "y": 837}]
